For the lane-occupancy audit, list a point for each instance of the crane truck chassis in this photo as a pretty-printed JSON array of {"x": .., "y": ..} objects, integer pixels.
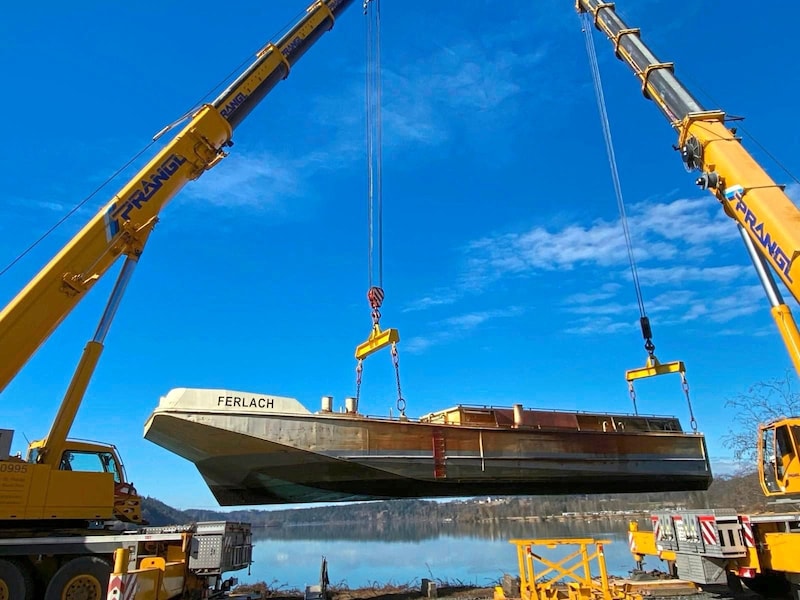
[
  {"x": 60, "y": 503},
  {"x": 188, "y": 559},
  {"x": 723, "y": 546}
]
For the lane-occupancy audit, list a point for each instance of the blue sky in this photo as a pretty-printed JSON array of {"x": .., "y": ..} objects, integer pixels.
[{"x": 504, "y": 261}]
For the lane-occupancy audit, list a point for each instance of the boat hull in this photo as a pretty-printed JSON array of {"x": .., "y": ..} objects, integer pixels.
[{"x": 275, "y": 458}]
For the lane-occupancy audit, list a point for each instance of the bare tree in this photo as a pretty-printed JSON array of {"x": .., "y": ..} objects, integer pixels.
[{"x": 763, "y": 402}]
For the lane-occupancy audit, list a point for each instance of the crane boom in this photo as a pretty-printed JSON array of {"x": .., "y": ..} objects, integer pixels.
[
  {"x": 747, "y": 193},
  {"x": 122, "y": 225}
]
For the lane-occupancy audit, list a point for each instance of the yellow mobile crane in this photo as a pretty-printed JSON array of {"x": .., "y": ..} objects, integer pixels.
[
  {"x": 66, "y": 486},
  {"x": 719, "y": 545}
]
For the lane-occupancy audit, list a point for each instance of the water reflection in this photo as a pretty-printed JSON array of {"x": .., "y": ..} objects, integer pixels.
[{"x": 365, "y": 554}]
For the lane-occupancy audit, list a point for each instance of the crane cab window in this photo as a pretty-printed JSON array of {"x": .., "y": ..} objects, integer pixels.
[
  {"x": 785, "y": 450},
  {"x": 102, "y": 462},
  {"x": 33, "y": 455},
  {"x": 768, "y": 462}
]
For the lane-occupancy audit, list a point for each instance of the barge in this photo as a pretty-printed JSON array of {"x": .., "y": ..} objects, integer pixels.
[{"x": 256, "y": 449}]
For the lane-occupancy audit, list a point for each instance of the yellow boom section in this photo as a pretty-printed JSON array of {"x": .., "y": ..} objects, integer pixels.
[
  {"x": 764, "y": 213},
  {"x": 123, "y": 224},
  {"x": 749, "y": 195},
  {"x": 40, "y": 307}
]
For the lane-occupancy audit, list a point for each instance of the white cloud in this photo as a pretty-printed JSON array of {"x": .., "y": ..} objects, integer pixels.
[
  {"x": 745, "y": 301},
  {"x": 683, "y": 274},
  {"x": 472, "y": 76},
  {"x": 671, "y": 301},
  {"x": 421, "y": 104},
  {"x": 698, "y": 221},
  {"x": 688, "y": 289},
  {"x": 683, "y": 306},
  {"x": 54, "y": 204},
  {"x": 442, "y": 298},
  {"x": 418, "y": 344},
  {"x": 602, "y": 315},
  {"x": 260, "y": 181},
  {"x": 457, "y": 327},
  {"x": 601, "y": 325},
  {"x": 655, "y": 229},
  {"x": 610, "y": 308},
  {"x": 425, "y": 100},
  {"x": 605, "y": 291},
  {"x": 50, "y": 205}
]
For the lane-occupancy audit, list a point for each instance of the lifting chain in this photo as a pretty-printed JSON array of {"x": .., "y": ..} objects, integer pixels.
[
  {"x": 401, "y": 403},
  {"x": 685, "y": 386},
  {"x": 359, "y": 372},
  {"x": 375, "y": 296},
  {"x": 632, "y": 392}
]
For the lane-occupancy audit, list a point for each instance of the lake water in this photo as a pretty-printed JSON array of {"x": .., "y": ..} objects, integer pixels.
[{"x": 400, "y": 553}]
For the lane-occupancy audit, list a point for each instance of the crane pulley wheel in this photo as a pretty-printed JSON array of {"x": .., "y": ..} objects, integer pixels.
[{"x": 375, "y": 295}]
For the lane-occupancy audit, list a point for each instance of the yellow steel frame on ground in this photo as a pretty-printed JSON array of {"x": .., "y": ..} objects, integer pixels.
[
  {"x": 377, "y": 339},
  {"x": 155, "y": 579},
  {"x": 571, "y": 576}
]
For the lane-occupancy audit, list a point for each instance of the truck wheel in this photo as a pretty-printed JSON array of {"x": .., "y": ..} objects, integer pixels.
[
  {"x": 82, "y": 578},
  {"x": 15, "y": 581},
  {"x": 770, "y": 585},
  {"x": 734, "y": 583}
]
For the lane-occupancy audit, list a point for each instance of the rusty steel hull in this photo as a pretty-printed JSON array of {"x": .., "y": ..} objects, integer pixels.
[{"x": 251, "y": 457}]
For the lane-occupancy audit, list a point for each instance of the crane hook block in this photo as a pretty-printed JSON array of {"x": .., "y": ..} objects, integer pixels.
[
  {"x": 375, "y": 296},
  {"x": 377, "y": 339},
  {"x": 653, "y": 368}
]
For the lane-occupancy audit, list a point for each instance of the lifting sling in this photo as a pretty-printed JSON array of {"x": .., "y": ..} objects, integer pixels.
[
  {"x": 378, "y": 338},
  {"x": 652, "y": 366}
]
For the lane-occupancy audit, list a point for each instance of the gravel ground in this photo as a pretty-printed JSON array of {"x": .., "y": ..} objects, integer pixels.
[{"x": 462, "y": 592}]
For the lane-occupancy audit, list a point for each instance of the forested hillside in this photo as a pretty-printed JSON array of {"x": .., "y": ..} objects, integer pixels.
[{"x": 741, "y": 493}]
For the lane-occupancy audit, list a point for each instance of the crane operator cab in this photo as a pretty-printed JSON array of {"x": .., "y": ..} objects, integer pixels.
[
  {"x": 778, "y": 462},
  {"x": 95, "y": 459}
]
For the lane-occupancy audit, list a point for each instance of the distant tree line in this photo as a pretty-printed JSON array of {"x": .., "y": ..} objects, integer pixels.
[
  {"x": 739, "y": 492},
  {"x": 762, "y": 402}
]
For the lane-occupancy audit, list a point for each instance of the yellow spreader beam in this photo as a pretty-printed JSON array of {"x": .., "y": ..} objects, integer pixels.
[
  {"x": 653, "y": 368},
  {"x": 377, "y": 339}
]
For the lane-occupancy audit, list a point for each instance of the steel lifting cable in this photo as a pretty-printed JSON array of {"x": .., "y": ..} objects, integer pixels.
[
  {"x": 74, "y": 209},
  {"x": 644, "y": 321},
  {"x": 374, "y": 142},
  {"x": 139, "y": 154},
  {"x": 612, "y": 159},
  {"x": 372, "y": 99}
]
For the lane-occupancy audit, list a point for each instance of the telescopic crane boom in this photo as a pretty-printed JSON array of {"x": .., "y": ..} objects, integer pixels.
[
  {"x": 768, "y": 221},
  {"x": 121, "y": 227},
  {"x": 46, "y": 486}
]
